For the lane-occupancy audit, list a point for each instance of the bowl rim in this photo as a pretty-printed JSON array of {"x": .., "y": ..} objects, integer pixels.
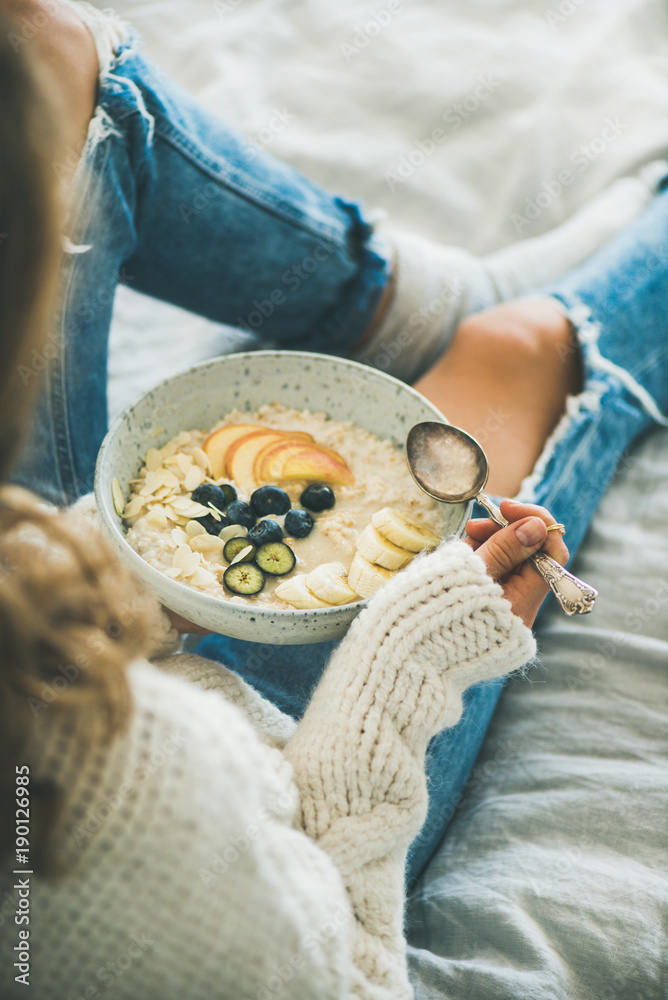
[{"x": 147, "y": 572}]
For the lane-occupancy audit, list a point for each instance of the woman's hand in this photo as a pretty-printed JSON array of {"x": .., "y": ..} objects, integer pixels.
[
  {"x": 505, "y": 552},
  {"x": 183, "y": 626}
]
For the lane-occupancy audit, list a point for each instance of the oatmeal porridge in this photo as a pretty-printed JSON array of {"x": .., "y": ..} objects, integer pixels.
[{"x": 281, "y": 508}]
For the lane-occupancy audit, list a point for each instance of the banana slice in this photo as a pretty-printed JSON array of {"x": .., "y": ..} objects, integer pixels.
[
  {"x": 365, "y": 578},
  {"x": 403, "y": 530},
  {"x": 328, "y": 582},
  {"x": 377, "y": 549},
  {"x": 295, "y": 592}
]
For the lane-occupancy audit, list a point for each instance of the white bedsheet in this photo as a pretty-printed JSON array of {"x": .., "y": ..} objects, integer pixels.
[{"x": 518, "y": 87}]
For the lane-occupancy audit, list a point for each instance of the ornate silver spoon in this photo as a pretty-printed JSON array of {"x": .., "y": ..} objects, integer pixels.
[{"x": 450, "y": 465}]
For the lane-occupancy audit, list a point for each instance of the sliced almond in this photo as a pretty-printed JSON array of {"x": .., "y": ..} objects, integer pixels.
[
  {"x": 182, "y": 504},
  {"x": 182, "y": 439},
  {"x": 187, "y": 560},
  {"x": 196, "y": 510},
  {"x": 173, "y": 572},
  {"x": 170, "y": 480},
  {"x": 203, "y": 577},
  {"x": 134, "y": 506},
  {"x": 240, "y": 556},
  {"x": 157, "y": 519},
  {"x": 232, "y": 531},
  {"x": 153, "y": 459},
  {"x": 179, "y": 537},
  {"x": 191, "y": 563},
  {"x": 194, "y": 478},
  {"x": 184, "y": 462},
  {"x": 163, "y": 493},
  {"x": 209, "y": 545},
  {"x": 154, "y": 480},
  {"x": 202, "y": 459},
  {"x": 215, "y": 512},
  {"x": 194, "y": 528},
  {"x": 117, "y": 496}
]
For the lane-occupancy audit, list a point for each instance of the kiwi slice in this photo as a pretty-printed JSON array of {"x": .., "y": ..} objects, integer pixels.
[
  {"x": 233, "y": 546},
  {"x": 244, "y": 578},
  {"x": 275, "y": 558}
]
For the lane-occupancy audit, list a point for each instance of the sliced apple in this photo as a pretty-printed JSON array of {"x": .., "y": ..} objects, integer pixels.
[
  {"x": 265, "y": 432},
  {"x": 270, "y": 460},
  {"x": 216, "y": 445},
  {"x": 241, "y": 460},
  {"x": 317, "y": 464}
]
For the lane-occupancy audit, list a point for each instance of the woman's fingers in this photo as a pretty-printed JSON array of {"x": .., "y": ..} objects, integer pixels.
[
  {"x": 480, "y": 529},
  {"x": 183, "y": 626},
  {"x": 554, "y": 543},
  {"x": 506, "y": 550},
  {"x": 510, "y": 547}
]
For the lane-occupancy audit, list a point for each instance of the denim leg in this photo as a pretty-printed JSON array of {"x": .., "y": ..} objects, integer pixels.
[
  {"x": 169, "y": 200},
  {"x": 229, "y": 232},
  {"x": 616, "y": 303}
]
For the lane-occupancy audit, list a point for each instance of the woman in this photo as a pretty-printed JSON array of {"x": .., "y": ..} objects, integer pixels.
[
  {"x": 179, "y": 799},
  {"x": 186, "y": 838}
]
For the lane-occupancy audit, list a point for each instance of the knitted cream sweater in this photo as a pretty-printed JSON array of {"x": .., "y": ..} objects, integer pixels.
[{"x": 218, "y": 850}]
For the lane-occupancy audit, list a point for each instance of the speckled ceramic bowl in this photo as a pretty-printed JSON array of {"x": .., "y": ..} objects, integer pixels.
[{"x": 198, "y": 398}]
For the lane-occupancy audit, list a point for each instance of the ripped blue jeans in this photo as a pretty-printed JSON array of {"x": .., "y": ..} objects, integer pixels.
[
  {"x": 172, "y": 201},
  {"x": 618, "y": 305}
]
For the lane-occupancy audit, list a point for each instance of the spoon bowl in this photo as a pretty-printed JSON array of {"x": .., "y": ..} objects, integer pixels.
[
  {"x": 451, "y": 466},
  {"x": 446, "y": 462}
]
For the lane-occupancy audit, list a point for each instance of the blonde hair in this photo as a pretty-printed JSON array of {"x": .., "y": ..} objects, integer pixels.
[{"x": 65, "y": 627}]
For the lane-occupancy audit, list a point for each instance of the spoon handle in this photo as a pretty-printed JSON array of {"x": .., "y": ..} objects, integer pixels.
[{"x": 575, "y": 597}]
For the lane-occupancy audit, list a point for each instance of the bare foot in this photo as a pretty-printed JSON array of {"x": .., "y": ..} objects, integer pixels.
[{"x": 505, "y": 379}]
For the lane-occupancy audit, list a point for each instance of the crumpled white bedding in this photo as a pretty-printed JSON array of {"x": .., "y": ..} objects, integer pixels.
[{"x": 553, "y": 879}]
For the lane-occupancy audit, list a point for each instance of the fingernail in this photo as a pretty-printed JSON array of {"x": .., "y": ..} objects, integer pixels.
[{"x": 531, "y": 532}]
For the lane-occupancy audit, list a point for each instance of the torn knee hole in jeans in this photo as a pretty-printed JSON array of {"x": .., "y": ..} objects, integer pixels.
[{"x": 115, "y": 43}]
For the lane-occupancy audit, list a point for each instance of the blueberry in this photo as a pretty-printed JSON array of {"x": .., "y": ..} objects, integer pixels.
[
  {"x": 317, "y": 497},
  {"x": 266, "y": 531},
  {"x": 298, "y": 523},
  {"x": 270, "y": 500},
  {"x": 229, "y": 493},
  {"x": 213, "y": 526},
  {"x": 209, "y": 493},
  {"x": 238, "y": 512}
]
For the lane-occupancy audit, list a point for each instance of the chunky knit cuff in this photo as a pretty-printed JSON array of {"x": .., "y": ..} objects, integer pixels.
[
  {"x": 358, "y": 753},
  {"x": 446, "y": 618}
]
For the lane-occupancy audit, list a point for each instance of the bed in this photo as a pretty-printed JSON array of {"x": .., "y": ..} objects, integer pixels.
[{"x": 552, "y": 881}]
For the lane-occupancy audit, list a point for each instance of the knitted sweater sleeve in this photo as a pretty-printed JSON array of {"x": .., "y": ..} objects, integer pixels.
[{"x": 358, "y": 753}]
